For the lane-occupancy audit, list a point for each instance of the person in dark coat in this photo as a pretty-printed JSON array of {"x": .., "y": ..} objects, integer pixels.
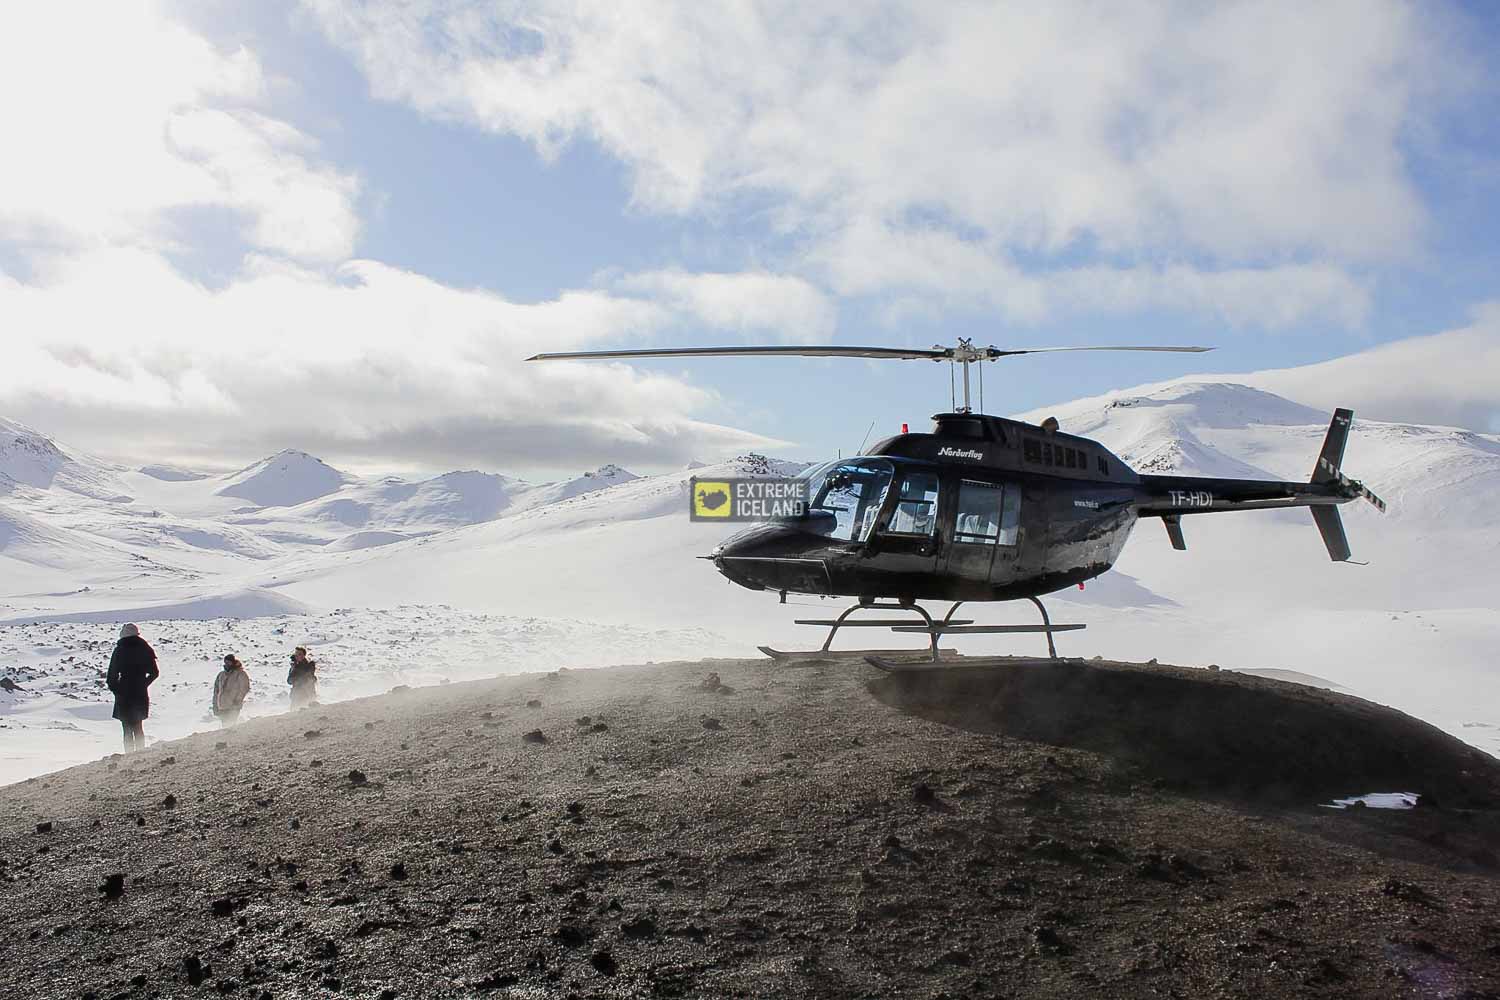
[
  {"x": 303, "y": 677},
  {"x": 132, "y": 668}
]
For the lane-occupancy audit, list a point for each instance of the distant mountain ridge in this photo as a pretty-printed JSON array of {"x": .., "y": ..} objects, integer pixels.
[{"x": 299, "y": 518}]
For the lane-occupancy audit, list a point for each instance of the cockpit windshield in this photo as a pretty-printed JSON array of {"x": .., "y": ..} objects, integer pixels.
[{"x": 844, "y": 497}]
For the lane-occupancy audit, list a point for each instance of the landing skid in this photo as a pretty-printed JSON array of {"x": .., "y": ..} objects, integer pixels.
[
  {"x": 935, "y": 630},
  {"x": 891, "y": 666},
  {"x": 850, "y": 654}
]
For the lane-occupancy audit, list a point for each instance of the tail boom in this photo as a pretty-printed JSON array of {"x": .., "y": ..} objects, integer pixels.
[{"x": 1169, "y": 497}]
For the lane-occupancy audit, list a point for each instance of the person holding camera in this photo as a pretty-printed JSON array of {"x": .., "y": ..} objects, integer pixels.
[{"x": 303, "y": 677}]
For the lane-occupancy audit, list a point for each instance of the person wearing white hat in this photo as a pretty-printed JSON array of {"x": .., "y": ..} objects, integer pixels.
[{"x": 132, "y": 668}]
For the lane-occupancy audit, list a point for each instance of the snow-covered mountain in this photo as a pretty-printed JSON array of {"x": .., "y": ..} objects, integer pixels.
[
  {"x": 284, "y": 480},
  {"x": 1413, "y": 628},
  {"x": 28, "y": 458}
]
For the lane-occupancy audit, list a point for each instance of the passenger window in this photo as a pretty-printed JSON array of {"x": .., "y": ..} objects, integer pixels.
[
  {"x": 916, "y": 505},
  {"x": 1033, "y": 449},
  {"x": 978, "y": 519},
  {"x": 1072, "y": 457},
  {"x": 1103, "y": 466},
  {"x": 1047, "y": 455}
]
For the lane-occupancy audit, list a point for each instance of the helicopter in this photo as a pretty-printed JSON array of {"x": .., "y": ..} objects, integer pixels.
[{"x": 980, "y": 509}]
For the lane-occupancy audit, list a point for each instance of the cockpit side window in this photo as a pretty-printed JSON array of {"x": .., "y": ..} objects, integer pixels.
[
  {"x": 844, "y": 498},
  {"x": 916, "y": 504}
]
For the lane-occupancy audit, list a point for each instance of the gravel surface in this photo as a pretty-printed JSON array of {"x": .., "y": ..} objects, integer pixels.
[{"x": 735, "y": 828}]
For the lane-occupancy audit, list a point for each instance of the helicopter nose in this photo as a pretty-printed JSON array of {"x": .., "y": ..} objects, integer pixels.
[
  {"x": 734, "y": 556},
  {"x": 772, "y": 557}
]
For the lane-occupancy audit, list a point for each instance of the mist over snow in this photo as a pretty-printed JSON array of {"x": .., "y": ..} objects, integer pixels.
[{"x": 483, "y": 567}]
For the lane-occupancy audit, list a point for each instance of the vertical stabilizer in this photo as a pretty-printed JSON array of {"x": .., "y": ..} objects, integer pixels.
[{"x": 1331, "y": 459}]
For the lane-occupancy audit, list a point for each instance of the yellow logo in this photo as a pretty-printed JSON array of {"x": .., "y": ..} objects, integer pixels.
[{"x": 712, "y": 499}]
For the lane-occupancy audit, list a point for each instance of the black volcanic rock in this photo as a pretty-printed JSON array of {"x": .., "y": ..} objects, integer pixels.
[{"x": 1043, "y": 833}]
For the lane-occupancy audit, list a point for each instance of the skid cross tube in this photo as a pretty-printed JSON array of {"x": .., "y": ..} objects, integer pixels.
[
  {"x": 839, "y": 622},
  {"x": 1046, "y": 624},
  {"x": 935, "y": 630}
]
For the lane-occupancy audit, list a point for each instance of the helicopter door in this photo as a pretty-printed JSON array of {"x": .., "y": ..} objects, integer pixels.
[
  {"x": 907, "y": 542},
  {"x": 976, "y": 530}
]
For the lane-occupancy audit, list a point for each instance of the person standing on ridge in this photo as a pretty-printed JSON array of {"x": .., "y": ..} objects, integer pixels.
[
  {"x": 303, "y": 677},
  {"x": 132, "y": 668},
  {"x": 230, "y": 688}
]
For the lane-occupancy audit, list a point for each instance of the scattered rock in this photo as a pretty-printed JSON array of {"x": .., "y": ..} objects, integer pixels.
[
  {"x": 599, "y": 727},
  {"x": 44, "y": 827},
  {"x": 583, "y": 720},
  {"x": 114, "y": 885},
  {"x": 711, "y": 723},
  {"x": 604, "y": 962},
  {"x": 221, "y": 745},
  {"x": 497, "y": 981},
  {"x": 170, "y": 802},
  {"x": 1048, "y": 942},
  {"x": 312, "y": 734},
  {"x": 534, "y": 703},
  {"x": 534, "y": 736},
  {"x": 222, "y": 907},
  {"x": 357, "y": 778},
  {"x": 639, "y": 928},
  {"x": 713, "y": 685},
  {"x": 923, "y": 794},
  {"x": 196, "y": 970},
  {"x": 398, "y": 872},
  {"x": 570, "y": 935}
]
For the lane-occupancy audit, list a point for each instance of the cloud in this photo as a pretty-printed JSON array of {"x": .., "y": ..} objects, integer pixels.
[
  {"x": 1450, "y": 378},
  {"x": 119, "y": 352},
  {"x": 113, "y": 118},
  {"x": 1182, "y": 152},
  {"x": 870, "y": 260},
  {"x": 779, "y": 305}
]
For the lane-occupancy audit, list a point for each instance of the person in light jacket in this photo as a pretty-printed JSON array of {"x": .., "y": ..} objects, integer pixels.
[
  {"x": 132, "y": 668},
  {"x": 230, "y": 688},
  {"x": 303, "y": 677}
]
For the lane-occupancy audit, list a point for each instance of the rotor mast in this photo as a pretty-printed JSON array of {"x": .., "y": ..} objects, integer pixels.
[{"x": 965, "y": 353}]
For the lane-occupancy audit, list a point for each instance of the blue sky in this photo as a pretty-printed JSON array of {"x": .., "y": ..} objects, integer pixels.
[{"x": 339, "y": 226}]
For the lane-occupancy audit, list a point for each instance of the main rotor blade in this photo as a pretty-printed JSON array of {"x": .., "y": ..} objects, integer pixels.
[
  {"x": 995, "y": 352},
  {"x": 901, "y": 353}
]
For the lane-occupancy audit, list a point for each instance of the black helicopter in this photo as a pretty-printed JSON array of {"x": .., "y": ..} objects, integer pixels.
[{"x": 982, "y": 508}]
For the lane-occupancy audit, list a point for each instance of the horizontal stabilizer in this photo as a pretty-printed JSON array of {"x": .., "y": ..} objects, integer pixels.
[{"x": 1331, "y": 527}]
